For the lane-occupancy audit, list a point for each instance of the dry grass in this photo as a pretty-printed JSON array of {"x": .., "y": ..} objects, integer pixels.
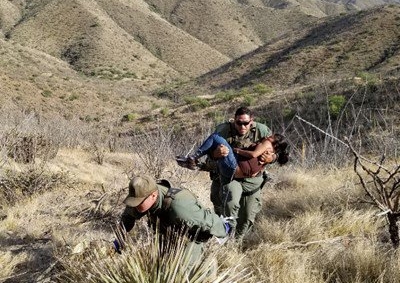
[
  {"x": 311, "y": 228},
  {"x": 9, "y": 261}
]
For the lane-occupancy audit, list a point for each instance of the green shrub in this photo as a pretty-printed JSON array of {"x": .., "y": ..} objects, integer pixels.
[
  {"x": 164, "y": 111},
  {"x": 336, "y": 103},
  {"x": 262, "y": 89},
  {"x": 112, "y": 74},
  {"x": 225, "y": 96},
  {"x": 243, "y": 91},
  {"x": 248, "y": 100},
  {"x": 197, "y": 103},
  {"x": 288, "y": 113},
  {"x": 216, "y": 116},
  {"x": 73, "y": 97},
  {"x": 129, "y": 117},
  {"x": 46, "y": 93}
]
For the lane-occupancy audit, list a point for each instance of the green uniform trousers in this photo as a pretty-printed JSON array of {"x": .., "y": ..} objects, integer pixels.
[{"x": 239, "y": 199}]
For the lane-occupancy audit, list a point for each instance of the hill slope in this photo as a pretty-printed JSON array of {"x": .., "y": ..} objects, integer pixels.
[
  {"x": 341, "y": 47},
  {"x": 156, "y": 38},
  {"x": 63, "y": 56}
]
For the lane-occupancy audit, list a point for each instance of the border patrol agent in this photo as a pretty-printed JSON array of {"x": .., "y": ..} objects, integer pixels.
[
  {"x": 173, "y": 208},
  {"x": 239, "y": 199}
]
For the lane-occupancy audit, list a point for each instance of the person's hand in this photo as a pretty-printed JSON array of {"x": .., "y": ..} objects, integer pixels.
[
  {"x": 266, "y": 158},
  {"x": 220, "y": 151}
]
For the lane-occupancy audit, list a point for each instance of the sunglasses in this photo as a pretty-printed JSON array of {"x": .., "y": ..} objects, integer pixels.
[{"x": 242, "y": 123}]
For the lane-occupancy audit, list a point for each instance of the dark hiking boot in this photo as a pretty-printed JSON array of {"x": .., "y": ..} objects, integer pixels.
[{"x": 188, "y": 162}]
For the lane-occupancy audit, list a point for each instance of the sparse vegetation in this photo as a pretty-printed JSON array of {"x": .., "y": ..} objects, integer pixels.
[
  {"x": 262, "y": 89},
  {"x": 16, "y": 186},
  {"x": 227, "y": 95},
  {"x": 197, "y": 103},
  {"x": 112, "y": 74},
  {"x": 77, "y": 123},
  {"x": 129, "y": 117}
]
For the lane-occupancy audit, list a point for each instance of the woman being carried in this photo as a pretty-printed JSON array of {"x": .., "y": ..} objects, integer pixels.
[{"x": 240, "y": 163}]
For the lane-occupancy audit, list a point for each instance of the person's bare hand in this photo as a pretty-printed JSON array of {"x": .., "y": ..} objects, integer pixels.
[
  {"x": 266, "y": 158},
  {"x": 220, "y": 151}
]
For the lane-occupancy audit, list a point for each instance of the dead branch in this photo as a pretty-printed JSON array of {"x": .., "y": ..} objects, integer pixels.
[{"x": 330, "y": 241}]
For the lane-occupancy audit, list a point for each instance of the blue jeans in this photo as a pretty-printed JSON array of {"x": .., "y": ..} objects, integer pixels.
[{"x": 226, "y": 165}]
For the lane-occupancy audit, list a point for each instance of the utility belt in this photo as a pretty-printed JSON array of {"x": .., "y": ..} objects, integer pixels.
[{"x": 266, "y": 178}]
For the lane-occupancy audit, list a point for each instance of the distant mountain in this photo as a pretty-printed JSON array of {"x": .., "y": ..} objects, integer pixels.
[
  {"x": 337, "y": 47},
  {"x": 157, "y": 38},
  {"x": 61, "y": 56}
]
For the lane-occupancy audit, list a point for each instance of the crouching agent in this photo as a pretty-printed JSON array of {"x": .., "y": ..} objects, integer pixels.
[{"x": 171, "y": 208}]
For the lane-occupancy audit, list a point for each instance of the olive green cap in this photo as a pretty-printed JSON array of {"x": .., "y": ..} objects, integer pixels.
[{"x": 140, "y": 187}]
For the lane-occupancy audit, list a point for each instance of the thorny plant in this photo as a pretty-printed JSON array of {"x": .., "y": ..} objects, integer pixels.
[
  {"x": 148, "y": 257},
  {"x": 382, "y": 187}
]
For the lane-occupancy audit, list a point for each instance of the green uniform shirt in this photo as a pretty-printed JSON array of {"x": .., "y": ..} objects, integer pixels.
[
  {"x": 184, "y": 211},
  {"x": 257, "y": 132}
]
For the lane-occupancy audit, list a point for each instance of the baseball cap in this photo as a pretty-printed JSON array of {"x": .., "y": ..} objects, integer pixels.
[{"x": 140, "y": 187}]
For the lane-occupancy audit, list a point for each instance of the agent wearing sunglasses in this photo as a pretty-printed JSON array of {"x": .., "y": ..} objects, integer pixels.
[{"x": 239, "y": 198}]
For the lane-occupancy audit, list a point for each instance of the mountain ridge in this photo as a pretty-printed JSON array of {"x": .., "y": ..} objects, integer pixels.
[{"x": 115, "y": 54}]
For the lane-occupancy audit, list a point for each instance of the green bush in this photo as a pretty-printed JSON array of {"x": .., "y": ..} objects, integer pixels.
[
  {"x": 129, "y": 117},
  {"x": 197, "y": 103},
  {"x": 225, "y": 96},
  {"x": 262, "y": 89},
  {"x": 288, "y": 113},
  {"x": 164, "y": 111},
  {"x": 216, "y": 116},
  {"x": 336, "y": 103},
  {"x": 248, "y": 100},
  {"x": 46, "y": 93},
  {"x": 73, "y": 97}
]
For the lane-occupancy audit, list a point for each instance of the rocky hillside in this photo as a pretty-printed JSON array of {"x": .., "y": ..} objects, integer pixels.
[
  {"x": 97, "y": 59},
  {"x": 335, "y": 48}
]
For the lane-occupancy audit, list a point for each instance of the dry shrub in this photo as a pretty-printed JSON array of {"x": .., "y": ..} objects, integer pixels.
[
  {"x": 26, "y": 134},
  {"x": 15, "y": 185},
  {"x": 25, "y": 148},
  {"x": 283, "y": 265},
  {"x": 332, "y": 252},
  {"x": 156, "y": 148},
  {"x": 318, "y": 226}
]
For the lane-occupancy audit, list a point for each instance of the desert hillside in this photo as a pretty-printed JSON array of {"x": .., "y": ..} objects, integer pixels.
[
  {"x": 93, "y": 92},
  {"x": 339, "y": 47},
  {"x": 100, "y": 60}
]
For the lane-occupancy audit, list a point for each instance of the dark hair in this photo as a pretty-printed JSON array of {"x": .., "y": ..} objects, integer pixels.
[
  {"x": 243, "y": 111},
  {"x": 281, "y": 148}
]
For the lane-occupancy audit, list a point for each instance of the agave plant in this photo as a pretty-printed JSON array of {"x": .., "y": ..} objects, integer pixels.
[{"x": 151, "y": 258}]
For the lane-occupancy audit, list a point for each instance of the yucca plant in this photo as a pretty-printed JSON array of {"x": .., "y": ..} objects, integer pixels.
[{"x": 151, "y": 258}]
